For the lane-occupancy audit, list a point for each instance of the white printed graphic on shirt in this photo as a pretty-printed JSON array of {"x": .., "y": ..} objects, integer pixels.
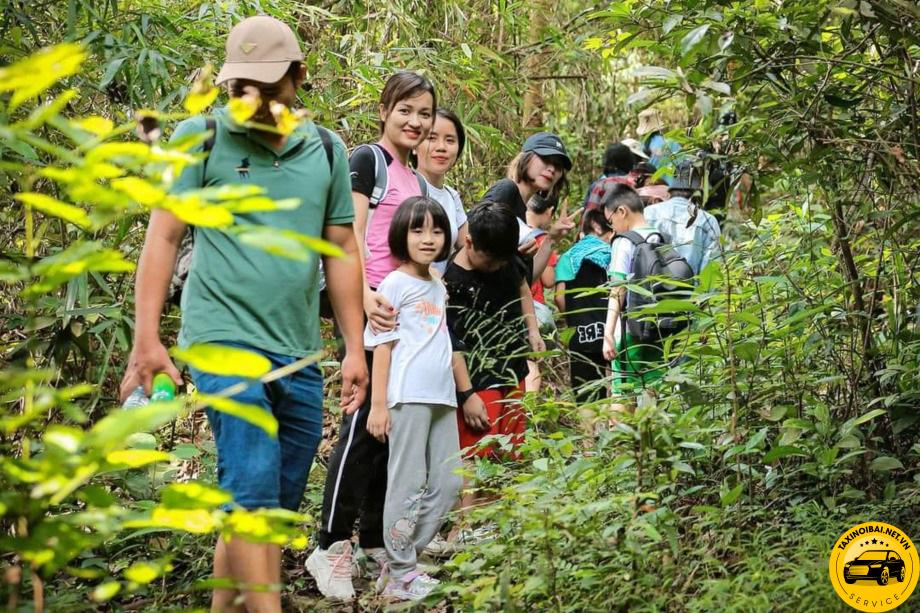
[{"x": 420, "y": 366}]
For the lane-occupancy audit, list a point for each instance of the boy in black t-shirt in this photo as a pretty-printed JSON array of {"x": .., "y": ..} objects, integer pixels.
[{"x": 492, "y": 323}]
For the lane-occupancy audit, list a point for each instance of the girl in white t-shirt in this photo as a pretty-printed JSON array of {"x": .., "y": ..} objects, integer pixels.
[
  {"x": 436, "y": 156},
  {"x": 413, "y": 397}
]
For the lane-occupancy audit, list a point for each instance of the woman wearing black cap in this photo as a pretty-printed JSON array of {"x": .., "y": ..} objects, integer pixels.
[{"x": 540, "y": 168}]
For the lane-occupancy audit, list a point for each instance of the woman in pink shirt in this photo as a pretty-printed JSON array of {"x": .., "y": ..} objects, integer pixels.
[{"x": 356, "y": 478}]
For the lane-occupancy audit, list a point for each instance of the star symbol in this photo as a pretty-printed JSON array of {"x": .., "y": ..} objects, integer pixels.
[
  {"x": 862, "y": 544},
  {"x": 874, "y": 541}
]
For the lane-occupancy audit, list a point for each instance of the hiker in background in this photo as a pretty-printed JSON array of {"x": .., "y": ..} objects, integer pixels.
[
  {"x": 634, "y": 364},
  {"x": 414, "y": 399},
  {"x": 619, "y": 161},
  {"x": 581, "y": 295},
  {"x": 695, "y": 233},
  {"x": 637, "y": 174},
  {"x": 652, "y": 190},
  {"x": 720, "y": 170},
  {"x": 541, "y": 167},
  {"x": 436, "y": 156},
  {"x": 661, "y": 152},
  {"x": 539, "y": 220},
  {"x": 224, "y": 299},
  {"x": 615, "y": 163},
  {"x": 356, "y": 478}
]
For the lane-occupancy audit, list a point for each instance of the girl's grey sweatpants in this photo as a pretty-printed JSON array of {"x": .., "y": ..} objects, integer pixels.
[{"x": 422, "y": 480}]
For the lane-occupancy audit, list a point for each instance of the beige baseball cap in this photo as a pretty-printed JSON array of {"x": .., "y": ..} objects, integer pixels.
[{"x": 260, "y": 49}]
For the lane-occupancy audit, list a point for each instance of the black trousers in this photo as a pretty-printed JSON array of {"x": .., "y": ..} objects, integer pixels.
[
  {"x": 356, "y": 482},
  {"x": 586, "y": 370}
]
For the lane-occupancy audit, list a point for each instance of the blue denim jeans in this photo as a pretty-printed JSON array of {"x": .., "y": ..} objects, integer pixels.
[{"x": 258, "y": 470}]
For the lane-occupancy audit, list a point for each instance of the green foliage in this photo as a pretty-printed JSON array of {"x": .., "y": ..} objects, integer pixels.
[
  {"x": 792, "y": 415},
  {"x": 68, "y": 490}
]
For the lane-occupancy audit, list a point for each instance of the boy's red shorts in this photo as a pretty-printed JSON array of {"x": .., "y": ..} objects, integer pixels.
[{"x": 505, "y": 414}]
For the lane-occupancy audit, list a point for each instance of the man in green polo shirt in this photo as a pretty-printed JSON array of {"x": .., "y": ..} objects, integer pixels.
[{"x": 242, "y": 296}]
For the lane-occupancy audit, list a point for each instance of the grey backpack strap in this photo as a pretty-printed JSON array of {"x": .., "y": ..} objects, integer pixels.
[
  {"x": 422, "y": 183},
  {"x": 326, "y": 137},
  {"x": 381, "y": 180},
  {"x": 632, "y": 236}
]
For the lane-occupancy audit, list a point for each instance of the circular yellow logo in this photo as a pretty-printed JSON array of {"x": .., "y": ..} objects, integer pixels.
[{"x": 874, "y": 567}]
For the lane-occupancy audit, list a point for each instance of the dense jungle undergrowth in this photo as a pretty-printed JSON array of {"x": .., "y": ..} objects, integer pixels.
[{"x": 794, "y": 414}]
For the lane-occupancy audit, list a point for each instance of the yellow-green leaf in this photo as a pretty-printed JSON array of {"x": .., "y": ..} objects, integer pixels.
[
  {"x": 193, "y": 210},
  {"x": 104, "y": 170},
  {"x": 285, "y": 121},
  {"x": 73, "y": 261},
  {"x": 119, "y": 151},
  {"x": 106, "y": 591},
  {"x": 223, "y": 360},
  {"x": 114, "y": 429},
  {"x": 285, "y": 243},
  {"x": 231, "y": 191},
  {"x": 145, "y": 572},
  {"x": 255, "y": 415},
  {"x": 133, "y": 458},
  {"x": 100, "y": 126},
  {"x": 65, "y": 438},
  {"x": 31, "y": 76},
  {"x": 243, "y": 107},
  {"x": 196, "y": 521},
  {"x": 56, "y": 208},
  {"x": 200, "y": 99},
  {"x": 141, "y": 191},
  {"x": 193, "y": 495},
  {"x": 44, "y": 112},
  {"x": 262, "y": 203}
]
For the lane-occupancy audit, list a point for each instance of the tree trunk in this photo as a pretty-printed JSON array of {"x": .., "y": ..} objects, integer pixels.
[{"x": 533, "y": 64}]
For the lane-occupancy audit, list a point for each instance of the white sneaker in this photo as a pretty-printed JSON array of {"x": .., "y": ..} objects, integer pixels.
[
  {"x": 414, "y": 586},
  {"x": 475, "y": 536},
  {"x": 440, "y": 547},
  {"x": 331, "y": 569},
  {"x": 368, "y": 563}
]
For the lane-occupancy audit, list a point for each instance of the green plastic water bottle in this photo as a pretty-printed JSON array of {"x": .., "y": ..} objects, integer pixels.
[{"x": 163, "y": 388}]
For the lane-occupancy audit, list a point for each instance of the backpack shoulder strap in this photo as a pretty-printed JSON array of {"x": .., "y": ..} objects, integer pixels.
[
  {"x": 663, "y": 238},
  {"x": 380, "y": 175},
  {"x": 422, "y": 183},
  {"x": 210, "y": 124},
  {"x": 326, "y": 137},
  {"x": 632, "y": 236}
]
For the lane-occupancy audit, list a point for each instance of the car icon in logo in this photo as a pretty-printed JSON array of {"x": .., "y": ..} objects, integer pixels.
[{"x": 878, "y": 564}]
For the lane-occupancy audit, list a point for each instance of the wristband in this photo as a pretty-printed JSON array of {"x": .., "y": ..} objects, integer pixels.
[{"x": 462, "y": 397}]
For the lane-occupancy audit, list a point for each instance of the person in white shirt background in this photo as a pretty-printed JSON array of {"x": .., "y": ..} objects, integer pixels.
[
  {"x": 435, "y": 157},
  {"x": 695, "y": 233}
]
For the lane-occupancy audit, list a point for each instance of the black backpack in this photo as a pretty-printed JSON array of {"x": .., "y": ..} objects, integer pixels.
[
  {"x": 382, "y": 179},
  {"x": 184, "y": 257},
  {"x": 653, "y": 265}
]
